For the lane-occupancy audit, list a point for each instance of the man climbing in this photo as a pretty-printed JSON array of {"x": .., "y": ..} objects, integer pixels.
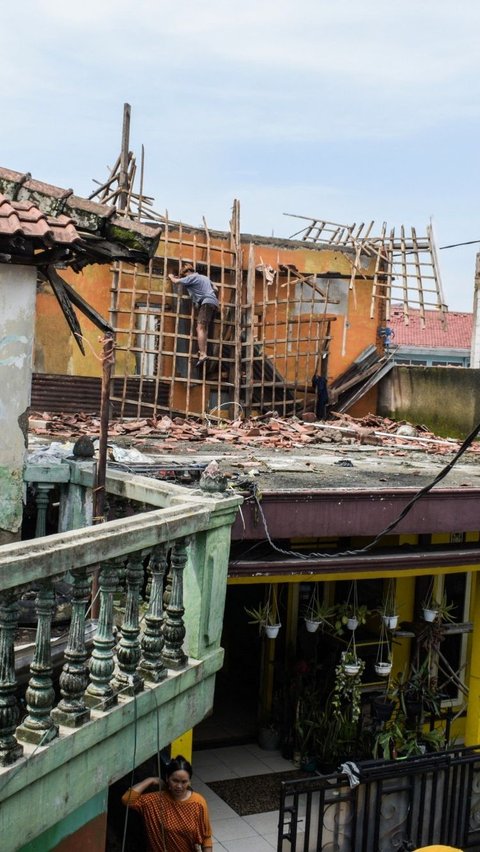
[{"x": 202, "y": 294}]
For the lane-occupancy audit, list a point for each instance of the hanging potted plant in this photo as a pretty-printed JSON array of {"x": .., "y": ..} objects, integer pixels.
[
  {"x": 350, "y": 615},
  {"x": 266, "y": 615},
  {"x": 317, "y": 612},
  {"x": 389, "y": 608},
  {"x": 434, "y": 610},
  {"x": 347, "y": 689},
  {"x": 383, "y": 662}
]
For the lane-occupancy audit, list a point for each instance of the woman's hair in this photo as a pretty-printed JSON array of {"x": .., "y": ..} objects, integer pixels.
[{"x": 178, "y": 764}]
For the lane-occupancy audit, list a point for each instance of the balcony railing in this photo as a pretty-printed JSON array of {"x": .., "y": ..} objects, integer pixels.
[{"x": 131, "y": 692}]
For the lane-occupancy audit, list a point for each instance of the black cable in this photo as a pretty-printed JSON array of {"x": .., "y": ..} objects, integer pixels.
[
  {"x": 311, "y": 556},
  {"x": 133, "y": 767},
  {"x": 454, "y": 245}
]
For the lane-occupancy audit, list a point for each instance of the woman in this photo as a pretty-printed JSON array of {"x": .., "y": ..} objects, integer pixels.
[{"x": 176, "y": 819}]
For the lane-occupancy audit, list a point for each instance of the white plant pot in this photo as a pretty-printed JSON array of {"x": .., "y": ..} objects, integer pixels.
[
  {"x": 383, "y": 669},
  {"x": 390, "y": 621},
  {"x": 352, "y": 668},
  {"x": 311, "y": 625},
  {"x": 272, "y": 630},
  {"x": 430, "y": 614},
  {"x": 352, "y": 623}
]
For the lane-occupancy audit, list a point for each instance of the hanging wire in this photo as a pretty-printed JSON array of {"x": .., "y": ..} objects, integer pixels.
[{"x": 411, "y": 503}]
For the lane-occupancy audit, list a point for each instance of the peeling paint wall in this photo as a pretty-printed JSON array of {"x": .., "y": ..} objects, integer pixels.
[{"x": 17, "y": 321}]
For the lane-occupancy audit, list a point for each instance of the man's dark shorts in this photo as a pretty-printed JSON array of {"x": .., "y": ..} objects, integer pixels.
[{"x": 206, "y": 313}]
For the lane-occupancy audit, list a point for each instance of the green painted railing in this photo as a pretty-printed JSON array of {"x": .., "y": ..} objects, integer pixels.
[{"x": 133, "y": 688}]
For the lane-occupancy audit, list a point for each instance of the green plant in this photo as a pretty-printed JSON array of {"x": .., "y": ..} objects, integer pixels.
[
  {"x": 441, "y": 607},
  {"x": 344, "y": 611},
  {"x": 417, "y": 687},
  {"x": 397, "y": 740},
  {"x": 347, "y": 689},
  {"x": 318, "y": 611},
  {"x": 265, "y": 614}
]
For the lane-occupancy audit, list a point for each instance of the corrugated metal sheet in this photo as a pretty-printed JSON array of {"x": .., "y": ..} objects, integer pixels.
[{"x": 72, "y": 394}]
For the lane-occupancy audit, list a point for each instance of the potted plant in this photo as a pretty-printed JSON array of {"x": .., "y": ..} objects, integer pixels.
[
  {"x": 350, "y": 617},
  {"x": 347, "y": 687},
  {"x": 383, "y": 662},
  {"x": 388, "y": 611},
  {"x": 266, "y": 615},
  {"x": 398, "y": 741},
  {"x": 317, "y": 612},
  {"x": 437, "y": 610}
]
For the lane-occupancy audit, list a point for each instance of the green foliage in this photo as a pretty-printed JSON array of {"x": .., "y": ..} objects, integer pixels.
[
  {"x": 397, "y": 740},
  {"x": 441, "y": 607},
  {"x": 347, "y": 689},
  {"x": 344, "y": 611}
]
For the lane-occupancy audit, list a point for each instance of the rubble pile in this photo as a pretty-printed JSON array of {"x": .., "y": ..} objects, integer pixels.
[{"x": 268, "y": 431}]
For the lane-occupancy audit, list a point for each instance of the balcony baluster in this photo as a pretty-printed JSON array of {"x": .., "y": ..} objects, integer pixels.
[
  {"x": 38, "y": 726},
  {"x": 10, "y": 749},
  {"x": 174, "y": 628},
  {"x": 71, "y": 710},
  {"x": 152, "y": 667},
  {"x": 127, "y": 680},
  {"x": 99, "y": 693},
  {"x": 42, "y": 499}
]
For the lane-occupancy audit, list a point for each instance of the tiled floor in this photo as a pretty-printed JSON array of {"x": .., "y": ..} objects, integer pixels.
[{"x": 254, "y": 833}]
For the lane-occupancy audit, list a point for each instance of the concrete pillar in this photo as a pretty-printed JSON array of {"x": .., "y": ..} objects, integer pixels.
[
  {"x": 475, "y": 350},
  {"x": 17, "y": 327}
]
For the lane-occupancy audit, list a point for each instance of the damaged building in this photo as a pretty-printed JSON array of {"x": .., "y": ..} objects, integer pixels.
[{"x": 294, "y": 509}]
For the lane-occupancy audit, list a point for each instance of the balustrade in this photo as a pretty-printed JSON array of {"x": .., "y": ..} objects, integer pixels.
[{"x": 87, "y": 702}]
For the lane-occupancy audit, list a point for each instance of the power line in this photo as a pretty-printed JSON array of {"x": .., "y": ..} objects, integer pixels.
[{"x": 454, "y": 245}]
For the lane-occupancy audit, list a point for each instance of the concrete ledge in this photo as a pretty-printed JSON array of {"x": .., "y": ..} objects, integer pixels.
[{"x": 81, "y": 763}]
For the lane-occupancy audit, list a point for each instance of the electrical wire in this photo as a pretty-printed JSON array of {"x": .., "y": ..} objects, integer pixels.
[
  {"x": 313, "y": 556},
  {"x": 455, "y": 245},
  {"x": 124, "y": 839}
]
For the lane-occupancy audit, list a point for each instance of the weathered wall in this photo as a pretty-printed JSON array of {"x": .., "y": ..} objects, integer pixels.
[
  {"x": 446, "y": 399},
  {"x": 83, "y": 831},
  {"x": 17, "y": 313}
]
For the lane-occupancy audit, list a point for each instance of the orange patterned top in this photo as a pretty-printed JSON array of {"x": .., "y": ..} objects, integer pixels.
[{"x": 170, "y": 825}]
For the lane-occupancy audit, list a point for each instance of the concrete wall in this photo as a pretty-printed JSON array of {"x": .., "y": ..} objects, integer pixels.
[
  {"x": 17, "y": 321},
  {"x": 446, "y": 399}
]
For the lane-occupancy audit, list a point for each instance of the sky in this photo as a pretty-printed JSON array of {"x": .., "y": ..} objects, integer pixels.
[{"x": 349, "y": 111}]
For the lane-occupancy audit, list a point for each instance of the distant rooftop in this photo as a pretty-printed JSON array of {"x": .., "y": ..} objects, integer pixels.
[{"x": 453, "y": 331}]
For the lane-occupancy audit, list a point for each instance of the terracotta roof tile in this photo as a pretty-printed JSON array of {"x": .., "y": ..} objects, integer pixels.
[
  {"x": 23, "y": 218},
  {"x": 456, "y": 333}
]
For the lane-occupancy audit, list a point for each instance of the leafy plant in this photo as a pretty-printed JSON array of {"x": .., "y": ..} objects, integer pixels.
[
  {"x": 318, "y": 611},
  {"x": 344, "y": 611},
  {"x": 397, "y": 740},
  {"x": 265, "y": 614},
  {"x": 442, "y": 608},
  {"x": 347, "y": 689}
]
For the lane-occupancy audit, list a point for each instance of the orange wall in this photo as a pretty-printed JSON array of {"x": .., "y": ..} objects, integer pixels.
[{"x": 57, "y": 352}]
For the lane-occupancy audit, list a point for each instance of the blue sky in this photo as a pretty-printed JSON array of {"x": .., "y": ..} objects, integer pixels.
[{"x": 350, "y": 110}]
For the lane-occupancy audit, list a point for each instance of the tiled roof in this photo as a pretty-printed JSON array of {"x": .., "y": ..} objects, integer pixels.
[
  {"x": 456, "y": 333},
  {"x": 86, "y": 231},
  {"x": 23, "y": 218}
]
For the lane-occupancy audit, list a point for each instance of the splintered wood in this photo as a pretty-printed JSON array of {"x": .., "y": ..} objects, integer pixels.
[
  {"x": 274, "y": 329},
  {"x": 406, "y": 265}
]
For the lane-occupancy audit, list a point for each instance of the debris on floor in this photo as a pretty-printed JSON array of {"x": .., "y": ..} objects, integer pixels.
[{"x": 271, "y": 432}]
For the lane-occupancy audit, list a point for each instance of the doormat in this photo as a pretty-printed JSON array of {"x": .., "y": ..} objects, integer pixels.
[{"x": 255, "y": 794}]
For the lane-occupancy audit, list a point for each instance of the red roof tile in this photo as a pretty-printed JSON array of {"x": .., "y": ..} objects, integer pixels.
[
  {"x": 456, "y": 333},
  {"x": 24, "y": 219}
]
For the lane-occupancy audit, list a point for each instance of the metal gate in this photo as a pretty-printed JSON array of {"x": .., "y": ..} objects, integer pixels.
[{"x": 423, "y": 800}]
